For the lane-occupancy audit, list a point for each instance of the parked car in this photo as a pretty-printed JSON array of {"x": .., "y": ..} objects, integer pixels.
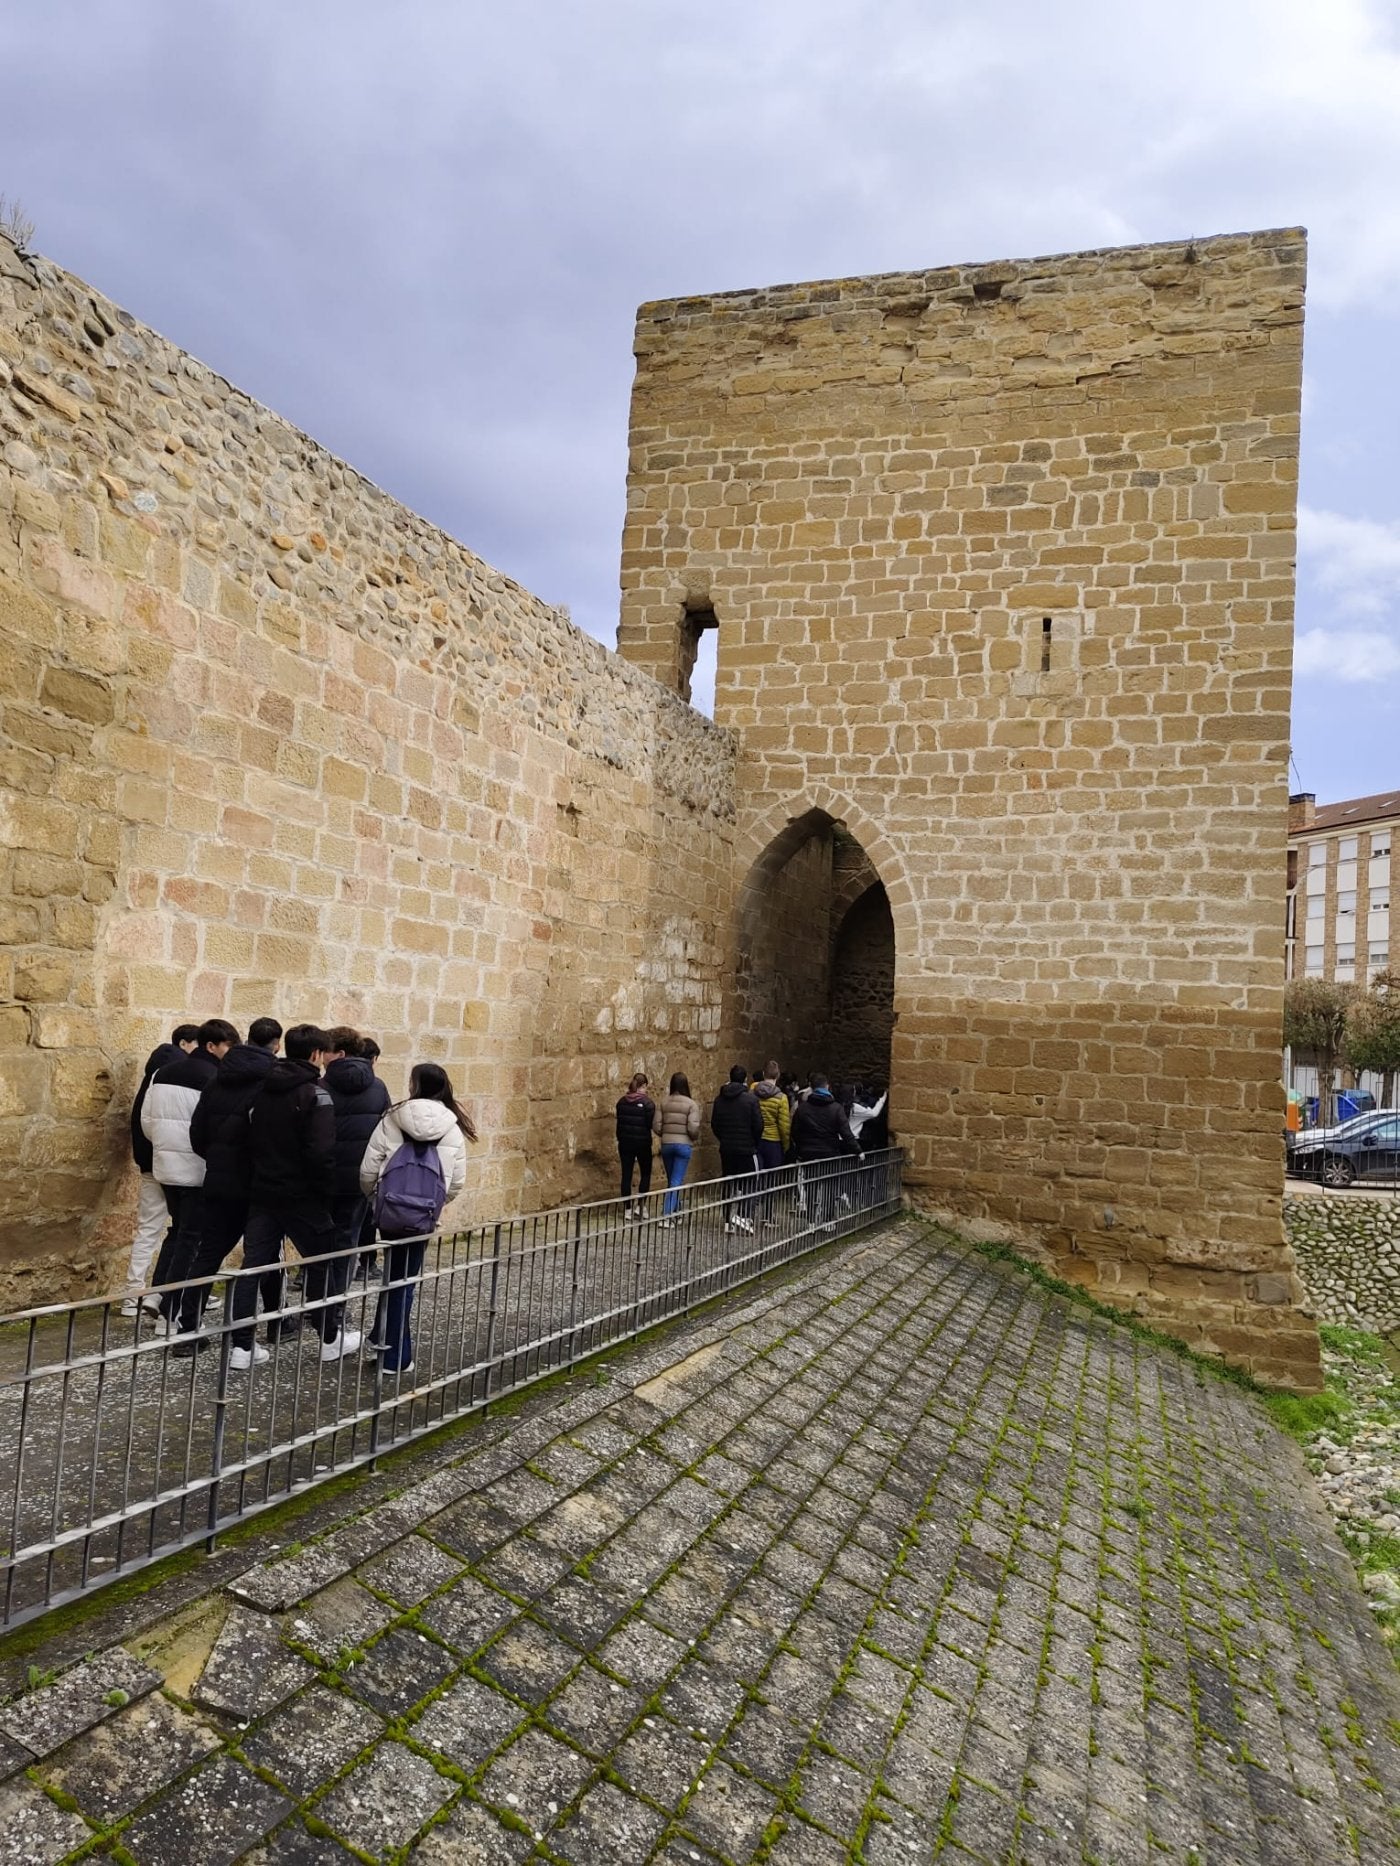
[{"x": 1367, "y": 1148}]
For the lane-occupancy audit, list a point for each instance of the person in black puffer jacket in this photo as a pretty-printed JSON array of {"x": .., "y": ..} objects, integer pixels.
[
  {"x": 292, "y": 1135},
  {"x": 736, "y": 1121},
  {"x": 820, "y": 1131},
  {"x": 635, "y": 1114},
  {"x": 360, "y": 1100},
  {"x": 219, "y": 1134}
]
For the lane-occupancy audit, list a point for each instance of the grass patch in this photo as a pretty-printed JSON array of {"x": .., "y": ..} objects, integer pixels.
[{"x": 1304, "y": 1415}]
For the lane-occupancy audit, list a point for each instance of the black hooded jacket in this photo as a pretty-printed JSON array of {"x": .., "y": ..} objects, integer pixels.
[
  {"x": 291, "y": 1133},
  {"x": 820, "y": 1130},
  {"x": 219, "y": 1124},
  {"x": 141, "y": 1150},
  {"x": 360, "y": 1099},
  {"x": 635, "y": 1114},
  {"x": 736, "y": 1120}
]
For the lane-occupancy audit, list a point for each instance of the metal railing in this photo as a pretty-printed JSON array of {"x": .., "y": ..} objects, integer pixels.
[{"x": 126, "y": 1449}]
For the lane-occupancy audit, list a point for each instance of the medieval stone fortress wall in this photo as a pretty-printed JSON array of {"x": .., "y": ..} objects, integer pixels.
[
  {"x": 1001, "y": 559},
  {"x": 274, "y": 744}
]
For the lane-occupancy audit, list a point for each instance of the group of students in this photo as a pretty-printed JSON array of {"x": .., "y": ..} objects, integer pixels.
[
  {"x": 234, "y": 1141},
  {"x": 760, "y": 1122}
]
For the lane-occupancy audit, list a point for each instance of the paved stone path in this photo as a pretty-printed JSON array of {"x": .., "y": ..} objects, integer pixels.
[{"x": 901, "y": 1559}]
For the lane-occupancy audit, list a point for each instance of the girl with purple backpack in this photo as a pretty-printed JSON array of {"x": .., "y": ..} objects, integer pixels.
[{"x": 416, "y": 1163}]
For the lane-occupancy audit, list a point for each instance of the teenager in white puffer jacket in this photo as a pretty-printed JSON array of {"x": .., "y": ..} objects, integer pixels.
[
  {"x": 167, "y": 1108},
  {"x": 431, "y": 1117}
]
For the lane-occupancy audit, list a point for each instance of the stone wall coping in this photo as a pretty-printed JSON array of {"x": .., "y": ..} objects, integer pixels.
[{"x": 1044, "y": 270}]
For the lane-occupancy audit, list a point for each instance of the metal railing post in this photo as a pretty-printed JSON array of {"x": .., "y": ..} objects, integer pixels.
[
  {"x": 216, "y": 1448},
  {"x": 572, "y": 1354},
  {"x": 491, "y": 1312}
]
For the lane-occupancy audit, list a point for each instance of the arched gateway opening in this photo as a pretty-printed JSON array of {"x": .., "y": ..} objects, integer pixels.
[{"x": 815, "y": 968}]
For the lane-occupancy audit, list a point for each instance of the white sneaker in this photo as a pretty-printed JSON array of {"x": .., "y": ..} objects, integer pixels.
[
  {"x": 346, "y": 1342},
  {"x": 131, "y": 1310},
  {"x": 241, "y": 1359}
]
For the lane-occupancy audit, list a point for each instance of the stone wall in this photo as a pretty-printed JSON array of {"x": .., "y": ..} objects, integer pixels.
[
  {"x": 1348, "y": 1249},
  {"x": 1002, "y": 563},
  {"x": 274, "y": 744}
]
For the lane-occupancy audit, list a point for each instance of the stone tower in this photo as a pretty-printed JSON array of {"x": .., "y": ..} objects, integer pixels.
[{"x": 1001, "y": 561}]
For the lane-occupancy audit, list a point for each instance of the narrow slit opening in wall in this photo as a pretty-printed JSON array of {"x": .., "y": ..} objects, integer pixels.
[
  {"x": 699, "y": 652},
  {"x": 1047, "y": 626}
]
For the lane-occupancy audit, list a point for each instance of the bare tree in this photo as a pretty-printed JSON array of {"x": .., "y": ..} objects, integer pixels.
[{"x": 15, "y": 224}]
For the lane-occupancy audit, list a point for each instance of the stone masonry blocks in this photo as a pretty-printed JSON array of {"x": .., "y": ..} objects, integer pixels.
[
  {"x": 1001, "y": 559},
  {"x": 273, "y": 744}
]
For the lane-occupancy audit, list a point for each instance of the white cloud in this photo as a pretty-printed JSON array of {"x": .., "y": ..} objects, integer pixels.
[
  {"x": 1357, "y": 559},
  {"x": 1357, "y": 656}
]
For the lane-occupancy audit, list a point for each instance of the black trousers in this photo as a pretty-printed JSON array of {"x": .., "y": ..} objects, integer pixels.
[
  {"x": 181, "y": 1246},
  {"x": 638, "y": 1153},
  {"x": 738, "y": 1168},
  {"x": 308, "y": 1223}
]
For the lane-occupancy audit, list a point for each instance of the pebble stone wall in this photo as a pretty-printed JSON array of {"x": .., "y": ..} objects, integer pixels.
[
  {"x": 274, "y": 744},
  {"x": 1348, "y": 1249},
  {"x": 1001, "y": 559}
]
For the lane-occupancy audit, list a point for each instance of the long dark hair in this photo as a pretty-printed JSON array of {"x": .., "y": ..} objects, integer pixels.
[
  {"x": 680, "y": 1085},
  {"x": 431, "y": 1082}
]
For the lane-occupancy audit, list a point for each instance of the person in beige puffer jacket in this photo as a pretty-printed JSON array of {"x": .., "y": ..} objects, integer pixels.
[{"x": 677, "y": 1126}]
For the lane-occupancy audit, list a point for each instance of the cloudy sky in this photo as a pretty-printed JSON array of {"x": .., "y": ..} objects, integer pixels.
[{"x": 421, "y": 230}]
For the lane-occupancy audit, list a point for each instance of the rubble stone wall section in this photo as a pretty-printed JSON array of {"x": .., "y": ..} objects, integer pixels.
[
  {"x": 1002, "y": 563},
  {"x": 1348, "y": 1249},
  {"x": 271, "y": 743}
]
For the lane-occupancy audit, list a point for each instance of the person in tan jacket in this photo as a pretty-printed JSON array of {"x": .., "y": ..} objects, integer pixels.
[{"x": 677, "y": 1126}]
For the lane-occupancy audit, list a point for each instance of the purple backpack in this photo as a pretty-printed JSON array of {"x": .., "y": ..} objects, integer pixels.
[{"x": 411, "y": 1193}]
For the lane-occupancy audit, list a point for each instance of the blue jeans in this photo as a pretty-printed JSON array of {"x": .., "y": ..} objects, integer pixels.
[
  {"x": 403, "y": 1264},
  {"x": 675, "y": 1157}
]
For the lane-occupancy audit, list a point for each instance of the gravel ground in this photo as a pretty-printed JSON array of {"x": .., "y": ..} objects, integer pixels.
[{"x": 1351, "y": 1437}]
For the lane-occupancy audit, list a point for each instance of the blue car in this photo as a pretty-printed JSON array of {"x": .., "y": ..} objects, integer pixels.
[{"x": 1357, "y": 1151}]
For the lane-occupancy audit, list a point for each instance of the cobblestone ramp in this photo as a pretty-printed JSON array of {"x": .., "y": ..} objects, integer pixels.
[{"x": 901, "y": 1560}]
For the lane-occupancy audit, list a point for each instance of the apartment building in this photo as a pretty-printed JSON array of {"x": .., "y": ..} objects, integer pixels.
[{"x": 1339, "y": 885}]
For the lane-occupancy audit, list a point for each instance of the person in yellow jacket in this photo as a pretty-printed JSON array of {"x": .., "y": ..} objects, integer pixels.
[{"x": 776, "y": 1110}]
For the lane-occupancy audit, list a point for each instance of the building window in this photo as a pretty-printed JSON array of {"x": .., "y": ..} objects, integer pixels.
[
  {"x": 1346, "y": 903},
  {"x": 1380, "y": 845},
  {"x": 1380, "y": 902},
  {"x": 1317, "y": 855},
  {"x": 1379, "y": 958},
  {"x": 1346, "y": 964},
  {"x": 1346, "y": 849},
  {"x": 1346, "y": 876},
  {"x": 1312, "y": 961}
]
